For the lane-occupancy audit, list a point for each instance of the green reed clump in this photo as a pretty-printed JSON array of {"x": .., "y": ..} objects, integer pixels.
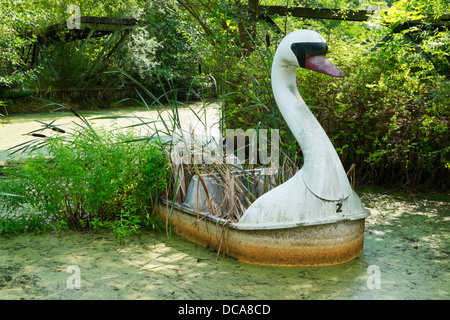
[{"x": 90, "y": 179}]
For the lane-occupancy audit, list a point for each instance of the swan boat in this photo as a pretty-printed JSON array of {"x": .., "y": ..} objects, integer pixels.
[{"x": 315, "y": 218}]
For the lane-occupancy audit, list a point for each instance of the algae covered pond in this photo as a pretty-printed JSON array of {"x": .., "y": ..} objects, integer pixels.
[
  {"x": 406, "y": 254},
  {"x": 14, "y": 128},
  {"x": 405, "y": 257}
]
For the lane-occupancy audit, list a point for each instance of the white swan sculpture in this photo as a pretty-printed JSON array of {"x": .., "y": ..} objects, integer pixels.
[
  {"x": 315, "y": 218},
  {"x": 320, "y": 192}
]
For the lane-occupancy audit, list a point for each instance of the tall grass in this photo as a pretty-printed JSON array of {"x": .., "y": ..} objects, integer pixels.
[
  {"x": 89, "y": 179},
  {"x": 236, "y": 193},
  {"x": 165, "y": 131}
]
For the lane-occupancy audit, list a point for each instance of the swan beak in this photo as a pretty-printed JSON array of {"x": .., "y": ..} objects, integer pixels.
[{"x": 322, "y": 65}]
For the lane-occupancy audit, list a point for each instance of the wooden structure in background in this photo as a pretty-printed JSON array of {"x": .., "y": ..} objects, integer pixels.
[
  {"x": 316, "y": 13},
  {"x": 265, "y": 13},
  {"x": 91, "y": 27}
]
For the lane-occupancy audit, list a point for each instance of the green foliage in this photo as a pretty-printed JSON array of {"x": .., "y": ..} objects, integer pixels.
[
  {"x": 165, "y": 44},
  {"x": 92, "y": 179},
  {"x": 3, "y": 105},
  {"x": 23, "y": 223},
  {"x": 391, "y": 110},
  {"x": 389, "y": 115},
  {"x": 139, "y": 58},
  {"x": 163, "y": 51},
  {"x": 124, "y": 226},
  {"x": 17, "y": 22}
]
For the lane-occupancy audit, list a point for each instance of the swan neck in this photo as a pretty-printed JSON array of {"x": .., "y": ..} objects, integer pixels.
[
  {"x": 321, "y": 162},
  {"x": 284, "y": 78},
  {"x": 303, "y": 124}
]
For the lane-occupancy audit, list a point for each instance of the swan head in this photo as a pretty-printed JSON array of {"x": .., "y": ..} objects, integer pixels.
[{"x": 306, "y": 49}]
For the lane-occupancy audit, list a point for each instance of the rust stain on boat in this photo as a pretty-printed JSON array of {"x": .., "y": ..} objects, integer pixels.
[{"x": 316, "y": 245}]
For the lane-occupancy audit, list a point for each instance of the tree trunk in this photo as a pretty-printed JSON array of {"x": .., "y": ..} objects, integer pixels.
[{"x": 247, "y": 27}]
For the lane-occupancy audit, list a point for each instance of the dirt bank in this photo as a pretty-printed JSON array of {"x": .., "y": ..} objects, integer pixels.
[{"x": 407, "y": 241}]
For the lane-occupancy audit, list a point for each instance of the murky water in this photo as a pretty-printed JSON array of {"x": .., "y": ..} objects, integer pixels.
[
  {"x": 405, "y": 252},
  {"x": 13, "y": 129},
  {"x": 405, "y": 257}
]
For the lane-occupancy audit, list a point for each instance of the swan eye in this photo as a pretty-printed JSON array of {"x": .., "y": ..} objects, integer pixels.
[{"x": 301, "y": 49}]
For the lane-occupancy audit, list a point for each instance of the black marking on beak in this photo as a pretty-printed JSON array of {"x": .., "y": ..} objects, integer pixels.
[{"x": 301, "y": 49}]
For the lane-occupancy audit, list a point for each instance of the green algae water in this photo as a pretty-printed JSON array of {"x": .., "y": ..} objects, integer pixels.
[
  {"x": 405, "y": 257},
  {"x": 14, "y": 128},
  {"x": 406, "y": 252}
]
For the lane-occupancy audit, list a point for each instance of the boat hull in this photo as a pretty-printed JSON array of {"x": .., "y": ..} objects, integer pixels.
[{"x": 305, "y": 245}]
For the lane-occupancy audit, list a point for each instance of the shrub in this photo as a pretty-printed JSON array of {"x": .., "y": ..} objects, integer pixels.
[
  {"x": 389, "y": 115},
  {"x": 90, "y": 179}
]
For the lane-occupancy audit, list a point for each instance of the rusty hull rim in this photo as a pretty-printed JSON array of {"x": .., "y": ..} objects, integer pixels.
[{"x": 302, "y": 245}]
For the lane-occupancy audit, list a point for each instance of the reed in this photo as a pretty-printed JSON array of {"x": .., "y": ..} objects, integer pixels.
[{"x": 166, "y": 131}]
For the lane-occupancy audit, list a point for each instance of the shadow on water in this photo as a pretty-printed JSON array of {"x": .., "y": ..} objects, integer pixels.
[
  {"x": 407, "y": 237},
  {"x": 238, "y": 280}
]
